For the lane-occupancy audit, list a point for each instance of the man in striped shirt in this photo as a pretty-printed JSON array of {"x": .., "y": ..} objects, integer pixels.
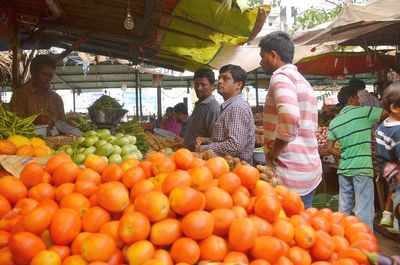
[
  {"x": 352, "y": 128},
  {"x": 290, "y": 119}
]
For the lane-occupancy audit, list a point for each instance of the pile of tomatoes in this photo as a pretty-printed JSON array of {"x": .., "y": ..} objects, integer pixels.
[{"x": 166, "y": 210}]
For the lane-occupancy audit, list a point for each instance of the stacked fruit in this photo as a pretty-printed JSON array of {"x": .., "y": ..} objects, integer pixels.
[
  {"x": 116, "y": 148},
  {"x": 167, "y": 210},
  {"x": 22, "y": 146},
  {"x": 322, "y": 136}
]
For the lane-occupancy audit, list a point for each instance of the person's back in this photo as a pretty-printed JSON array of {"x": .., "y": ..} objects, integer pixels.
[
  {"x": 352, "y": 128},
  {"x": 301, "y": 154}
]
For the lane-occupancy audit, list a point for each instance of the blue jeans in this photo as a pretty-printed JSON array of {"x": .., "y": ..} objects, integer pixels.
[
  {"x": 307, "y": 200},
  {"x": 356, "y": 195}
]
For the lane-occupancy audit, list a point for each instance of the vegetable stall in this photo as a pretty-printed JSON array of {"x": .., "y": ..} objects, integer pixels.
[{"x": 115, "y": 193}]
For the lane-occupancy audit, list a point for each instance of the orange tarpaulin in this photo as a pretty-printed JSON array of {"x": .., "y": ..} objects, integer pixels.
[{"x": 345, "y": 63}]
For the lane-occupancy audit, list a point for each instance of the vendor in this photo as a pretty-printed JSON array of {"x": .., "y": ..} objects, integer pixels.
[
  {"x": 234, "y": 130},
  {"x": 206, "y": 109},
  {"x": 36, "y": 96}
]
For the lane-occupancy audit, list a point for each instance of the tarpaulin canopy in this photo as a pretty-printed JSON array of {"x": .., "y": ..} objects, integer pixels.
[
  {"x": 184, "y": 34},
  {"x": 377, "y": 23},
  {"x": 345, "y": 63}
]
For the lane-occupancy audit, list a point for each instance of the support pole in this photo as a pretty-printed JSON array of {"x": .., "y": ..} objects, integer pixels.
[
  {"x": 15, "y": 47},
  {"x": 140, "y": 94},
  {"x": 74, "y": 99},
  {"x": 159, "y": 110},
  {"x": 257, "y": 99},
  {"x": 137, "y": 94}
]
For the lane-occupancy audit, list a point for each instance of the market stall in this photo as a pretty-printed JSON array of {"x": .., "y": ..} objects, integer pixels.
[{"x": 108, "y": 191}]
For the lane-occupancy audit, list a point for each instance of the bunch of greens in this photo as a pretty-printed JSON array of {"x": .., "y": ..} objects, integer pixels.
[
  {"x": 134, "y": 128},
  {"x": 105, "y": 102},
  {"x": 81, "y": 122}
]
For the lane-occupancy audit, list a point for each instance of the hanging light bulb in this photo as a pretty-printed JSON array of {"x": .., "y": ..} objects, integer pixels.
[{"x": 129, "y": 23}]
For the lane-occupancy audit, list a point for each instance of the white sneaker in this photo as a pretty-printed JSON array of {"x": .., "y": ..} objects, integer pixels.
[{"x": 386, "y": 219}]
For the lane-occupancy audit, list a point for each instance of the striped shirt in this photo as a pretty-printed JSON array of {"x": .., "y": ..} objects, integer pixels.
[
  {"x": 352, "y": 128},
  {"x": 234, "y": 131},
  {"x": 291, "y": 115}
]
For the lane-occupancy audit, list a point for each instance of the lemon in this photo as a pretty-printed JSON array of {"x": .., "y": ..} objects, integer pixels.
[
  {"x": 36, "y": 142},
  {"x": 19, "y": 140}
]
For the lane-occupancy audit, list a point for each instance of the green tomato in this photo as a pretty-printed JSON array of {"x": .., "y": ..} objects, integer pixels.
[
  {"x": 90, "y": 150},
  {"x": 80, "y": 140},
  {"x": 90, "y": 141},
  {"x": 138, "y": 155},
  {"x": 132, "y": 139},
  {"x": 127, "y": 149},
  {"x": 110, "y": 138},
  {"x": 103, "y": 132},
  {"x": 117, "y": 149},
  {"x": 100, "y": 143},
  {"x": 79, "y": 158},
  {"x": 118, "y": 135},
  {"x": 115, "y": 158},
  {"x": 105, "y": 150},
  {"x": 90, "y": 133},
  {"x": 69, "y": 151}
]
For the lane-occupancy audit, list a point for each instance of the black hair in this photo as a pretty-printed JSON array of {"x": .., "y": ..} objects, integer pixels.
[
  {"x": 357, "y": 83},
  {"x": 42, "y": 60},
  {"x": 391, "y": 96},
  {"x": 181, "y": 108},
  {"x": 205, "y": 73},
  {"x": 345, "y": 94},
  {"x": 169, "y": 109},
  {"x": 237, "y": 72},
  {"x": 279, "y": 42}
]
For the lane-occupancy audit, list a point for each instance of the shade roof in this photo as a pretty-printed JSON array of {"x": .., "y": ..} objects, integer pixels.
[
  {"x": 183, "y": 34},
  {"x": 376, "y": 23}
]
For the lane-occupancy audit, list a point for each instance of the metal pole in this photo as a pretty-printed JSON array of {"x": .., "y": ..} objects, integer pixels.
[
  {"x": 257, "y": 100},
  {"x": 74, "y": 99},
  {"x": 140, "y": 94},
  {"x": 137, "y": 94},
  {"x": 159, "y": 110}
]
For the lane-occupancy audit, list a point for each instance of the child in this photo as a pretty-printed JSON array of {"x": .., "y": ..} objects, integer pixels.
[{"x": 388, "y": 145}]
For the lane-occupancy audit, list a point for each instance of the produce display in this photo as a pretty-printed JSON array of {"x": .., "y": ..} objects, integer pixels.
[
  {"x": 175, "y": 209},
  {"x": 115, "y": 148},
  {"x": 158, "y": 143},
  {"x": 23, "y": 146},
  {"x": 322, "y": 136},
  {"x": 133, "y": 127},
  {"x": 105, "y": 102},
  {"x": 11, "y": 124},
  {"x": 82, "y": 122}
]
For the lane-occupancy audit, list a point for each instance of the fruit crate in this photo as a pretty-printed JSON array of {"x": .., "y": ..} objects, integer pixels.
[{"x": 58, "y": 141}]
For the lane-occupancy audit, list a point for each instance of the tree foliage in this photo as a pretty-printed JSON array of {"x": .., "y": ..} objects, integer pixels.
[
  {"x": 313, "y": 17},
  {"x": 254, "y": 2}
]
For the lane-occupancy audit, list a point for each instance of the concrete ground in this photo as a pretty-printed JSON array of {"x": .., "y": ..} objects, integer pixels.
[{"x": 388, "y": 246}]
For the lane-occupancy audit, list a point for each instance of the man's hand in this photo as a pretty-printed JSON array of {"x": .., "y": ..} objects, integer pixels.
[{"x": 202, "y": 140}]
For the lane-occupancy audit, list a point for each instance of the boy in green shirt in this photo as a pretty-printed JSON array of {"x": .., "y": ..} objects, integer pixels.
[{"x": 352, "y": 128}]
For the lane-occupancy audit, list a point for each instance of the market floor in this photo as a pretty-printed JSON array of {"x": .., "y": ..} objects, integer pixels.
[{"x": 388, "y": 246}]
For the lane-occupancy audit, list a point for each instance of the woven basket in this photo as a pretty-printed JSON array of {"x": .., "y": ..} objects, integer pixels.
[{"x": 58, "y": 141}]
